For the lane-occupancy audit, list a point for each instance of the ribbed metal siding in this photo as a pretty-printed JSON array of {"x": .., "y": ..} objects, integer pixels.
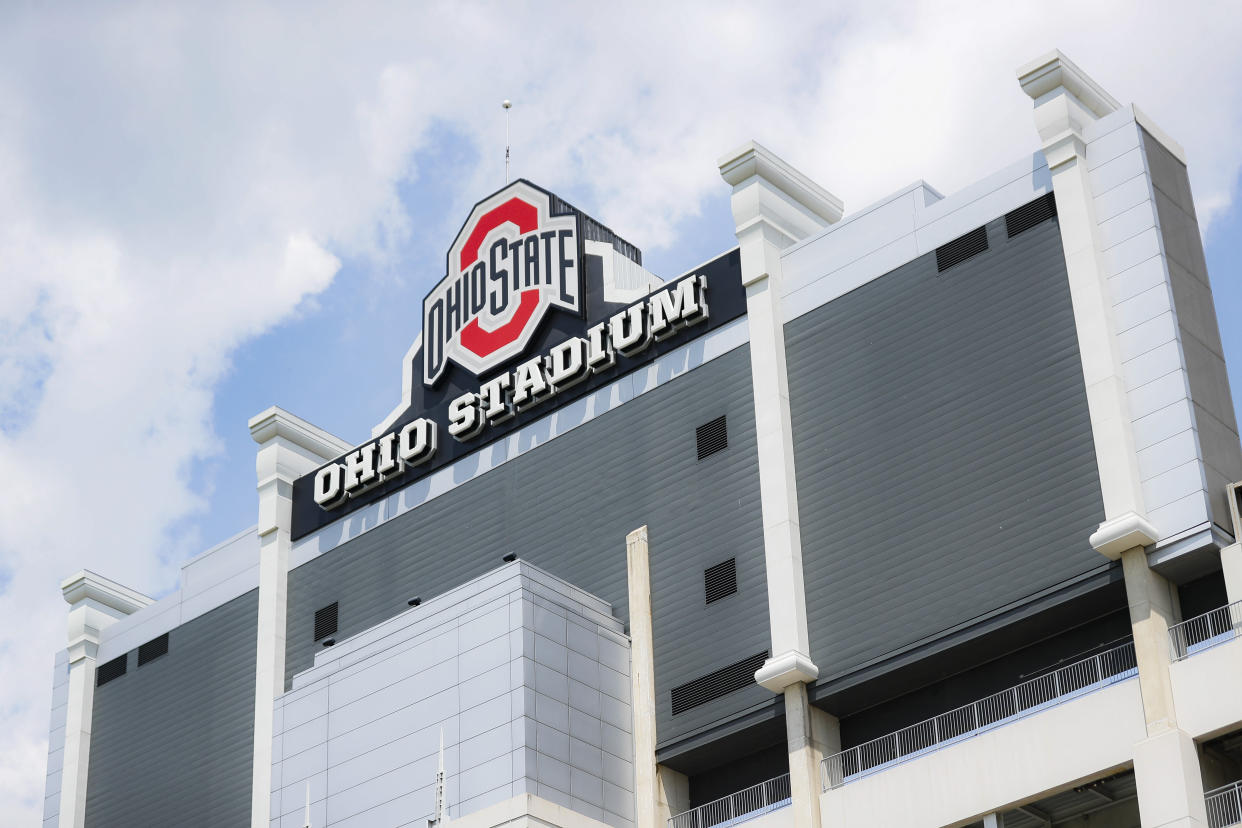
[
  {"x": 944, "y": 455},
  {"x": 567, "y": 506},
  {"x": 172, "y": 741}
]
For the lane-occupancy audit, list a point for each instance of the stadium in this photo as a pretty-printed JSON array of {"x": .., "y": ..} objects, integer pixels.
[{"x": 922, "y": 514}]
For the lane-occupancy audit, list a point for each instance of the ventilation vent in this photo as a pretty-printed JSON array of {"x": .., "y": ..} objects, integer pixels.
[
  {"x": 114, "y": 669},
  {"x": 325, "y": 621},
  {"x": 712, "y": 437},
  {"x": 153, "y": 649},
  {"x": 720, "y": 581},
  {"x": 1029, "y": 215},
  {"x": 714, "y": 685},
  {"x": 961, "y": 249}
]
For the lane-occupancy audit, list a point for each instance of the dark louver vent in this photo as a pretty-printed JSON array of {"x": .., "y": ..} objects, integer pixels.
[
  {"x": 113, "y": 669},
  {"x": 720, "y": 581},
  {"x": 153, "y": 649},
  {"x": 325, "y": 621},
  {"x": 961, "y": 249},
  {"x": 712, "y": 437},
  {"x": 714, "y": 685},
  {"x": 1029, "y": 215}
]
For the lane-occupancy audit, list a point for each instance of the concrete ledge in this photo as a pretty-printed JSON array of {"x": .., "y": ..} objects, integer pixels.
[
  {"x": 1053, "y": 71},
  {"x": 1018, "y": 763},
  {"x": 86, "y": 585},
  {"x": 527, "y": 810},
  {"x": 785, "y": 669},
  {"x": 1121, "y": 533},
  {"x": 1205, "y": 690},
  {"x": 276, "y": 422}
]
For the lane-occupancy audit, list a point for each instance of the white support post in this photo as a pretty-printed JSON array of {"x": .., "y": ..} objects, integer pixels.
[
  {"x": 659, "y": 792},
  {"x": 289, "y": 447},
  {"x": 1166, "y": 766},
  {"x": 1066, "y": 102},
  {"x": 775, "y": 206},
  {"x": 95, "y": 603}
]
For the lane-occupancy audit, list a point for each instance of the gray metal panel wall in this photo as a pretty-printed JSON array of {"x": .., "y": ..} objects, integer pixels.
[
  {"x": 567, "y": 506},
  {"x": 1197, "y": 328},
  {"x": 172, "y": 741},
  {"x": 945, "y": 463}
]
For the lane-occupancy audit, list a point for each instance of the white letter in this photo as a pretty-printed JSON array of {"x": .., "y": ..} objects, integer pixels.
[
  {"x": 674, "y": 306},
  {"x": 599, "y": 355},
  {"x": 388, "y": 464},
  {"x": 529, "y": 386},
  {"x": 464, "y": 418},
  {"x": 567, "y": 363},
  {"x": 418, "y": 442},
  {"x": 495, "y": 400},
  {"x": 328, "y": 492},
  {"x": 360, "y": 469},
  {"x": 637, "y": 337}
]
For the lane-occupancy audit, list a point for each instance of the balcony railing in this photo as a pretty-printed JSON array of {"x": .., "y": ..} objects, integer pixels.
[
  {"x": 1224, "y": 805},
  {"x": 1203, "y": 631},
  {"x": 994, "y": 711},
  {"x": 738, "y": 807}
]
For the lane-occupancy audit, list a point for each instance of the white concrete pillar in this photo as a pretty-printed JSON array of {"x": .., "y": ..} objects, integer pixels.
[
  {"x": 95, "y": 603},
  {"x": 775, "y": 206},
  {"x": 1066, "y": 102},
  {"x": 647, "y": 799},
  {"x": 996, "y": 820},
  {"x": 659, "y": 792},
  {"x": 289, "y": 447}
]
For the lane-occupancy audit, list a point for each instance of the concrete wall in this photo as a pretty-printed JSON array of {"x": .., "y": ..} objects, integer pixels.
[
  {"x": 171, "y": 741},
  {"x": 526, "y": 677},
  {"x": 566, "y": 505},
  {"x": 1079, "y": 739},
  {"x": 1213, "y": 426},
  {"x": 944, "y": 454}
]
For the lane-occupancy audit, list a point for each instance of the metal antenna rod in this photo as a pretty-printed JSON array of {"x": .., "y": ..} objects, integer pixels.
[{"x": 507, "y": 106}]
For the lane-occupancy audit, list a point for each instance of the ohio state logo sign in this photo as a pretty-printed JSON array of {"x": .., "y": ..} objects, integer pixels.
[{"x": 512, "y": 261}]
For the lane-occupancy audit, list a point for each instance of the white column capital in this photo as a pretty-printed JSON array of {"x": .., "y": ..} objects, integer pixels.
[
  {"x": 784, "y": 669},
  {"x": 289, "y": 447},
  {"x": 774, "y": 206},
  {"x": 1053, "y": 73},
  {"x": 1066, "y": 100},
  {"x": 1121, "y": 533},
  {"x": 95, "y": 602},
  {"x": 276, "y": 422}
]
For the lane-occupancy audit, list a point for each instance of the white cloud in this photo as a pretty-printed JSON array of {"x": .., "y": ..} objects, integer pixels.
[{"x": 174, "y": 183}]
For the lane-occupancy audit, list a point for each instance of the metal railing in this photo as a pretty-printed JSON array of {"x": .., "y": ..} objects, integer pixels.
[
  {"x": 1052, "y": 688},
  {"x": 1224, "y": 805},
  {"x": 737, "y": 807},
  {"x": 1203, "y": 631}
]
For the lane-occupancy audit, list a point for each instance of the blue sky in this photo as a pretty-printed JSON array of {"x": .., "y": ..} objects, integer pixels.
[{"x": 207, "y": 210}]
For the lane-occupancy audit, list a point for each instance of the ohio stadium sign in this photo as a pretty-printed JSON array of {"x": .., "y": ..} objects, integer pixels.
[{"x": 490, "y": 352}]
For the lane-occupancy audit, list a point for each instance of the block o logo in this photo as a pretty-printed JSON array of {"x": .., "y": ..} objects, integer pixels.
[{"x": 511, "y": 261}]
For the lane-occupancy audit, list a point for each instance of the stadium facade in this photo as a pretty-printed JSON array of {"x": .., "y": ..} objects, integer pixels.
[{"x": 916, "y": 516}]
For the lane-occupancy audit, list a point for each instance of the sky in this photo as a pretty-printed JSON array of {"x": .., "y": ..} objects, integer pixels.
[{"x": 209, "y": 209}]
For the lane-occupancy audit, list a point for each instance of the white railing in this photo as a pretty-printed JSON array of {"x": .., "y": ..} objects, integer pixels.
[
  {"x": 1224, "y": 805},
  {"x": 737, "y": 807},
  {"x": 1203, "y": 631},
  {"x": 994, "y": 711}
]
